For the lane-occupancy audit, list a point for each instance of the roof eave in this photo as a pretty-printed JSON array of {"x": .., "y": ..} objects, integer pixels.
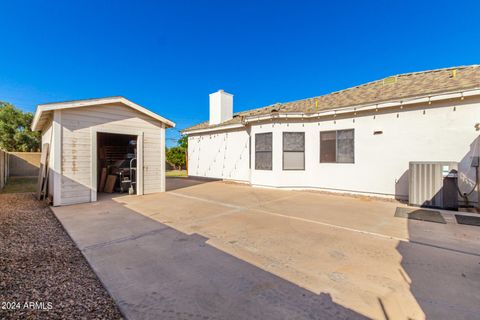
[
  {"x": 218, "y": 128},
  {"x": 371, "y": 106},
  {"x": 35, "y": 121},
  {"x": 380, "y": 105},
  {"x": 93, "y": 102}
]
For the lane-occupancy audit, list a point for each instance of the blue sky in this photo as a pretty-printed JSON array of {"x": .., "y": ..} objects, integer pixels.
[{"x": 168, "y": 56}]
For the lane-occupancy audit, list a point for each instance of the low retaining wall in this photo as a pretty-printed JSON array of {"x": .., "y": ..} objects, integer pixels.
[
  {"x": 23, "y": 164},
  {"x": 18, "y": 164}
]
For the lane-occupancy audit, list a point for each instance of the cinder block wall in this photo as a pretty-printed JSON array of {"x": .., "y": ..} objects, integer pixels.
[
  {"x": 23, "y": 164},
  {"x": 3, "y": 168}
]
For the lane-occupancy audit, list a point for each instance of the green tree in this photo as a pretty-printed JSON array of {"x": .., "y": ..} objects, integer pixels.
[
  {"x": 176, "y": 156},
  {"x": 183, "y": 142},
  {"x": 15, "y": 131}
]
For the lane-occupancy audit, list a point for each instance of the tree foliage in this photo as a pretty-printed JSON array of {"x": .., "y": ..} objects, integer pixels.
[
  {"x": 183, "y": 142},
  {"x": 15, "y": 131},
  {"x": 176, "y": 156}
]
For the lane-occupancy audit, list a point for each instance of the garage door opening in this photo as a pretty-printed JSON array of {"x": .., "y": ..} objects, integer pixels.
[{"x": 117, "y": 163}]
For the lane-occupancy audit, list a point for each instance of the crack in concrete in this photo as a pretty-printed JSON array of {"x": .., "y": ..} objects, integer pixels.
[
  {"x": 209, "y": 201},
  {"x": 124, "y": 239},
  {"x": 380, "y": 235}
]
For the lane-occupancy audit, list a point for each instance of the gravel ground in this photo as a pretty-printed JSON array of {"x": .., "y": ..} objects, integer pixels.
[{"x": 40, "y": 263}]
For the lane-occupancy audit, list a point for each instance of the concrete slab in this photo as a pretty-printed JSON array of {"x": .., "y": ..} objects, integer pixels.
[
  {"x": 90, "y": 224},
  {"x": 237, "y": 194},
  {"x": 223, "y": 250},
  {"x": 171, "y": 275},
  {"x": 165, "y": 274}
]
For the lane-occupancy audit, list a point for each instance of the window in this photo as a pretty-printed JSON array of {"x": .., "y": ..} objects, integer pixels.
[
  {"x": 263, "y": 151},
  {"x": 294, "y": 151},
  {"x": 337, "y": 146},
  {"x": 328, "y": 146},
  {"x": 345, "y": 147}
]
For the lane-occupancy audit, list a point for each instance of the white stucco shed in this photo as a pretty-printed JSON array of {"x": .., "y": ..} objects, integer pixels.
[{"x": 73, "y": 129}]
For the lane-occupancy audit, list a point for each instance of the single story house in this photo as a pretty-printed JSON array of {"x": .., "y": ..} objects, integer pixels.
[
  {"x": 85, "y": 137},
  {"x": 358, "y": 140}
]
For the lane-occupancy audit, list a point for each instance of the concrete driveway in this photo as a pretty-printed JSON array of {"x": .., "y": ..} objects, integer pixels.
[{"x": 218, "y": 250}]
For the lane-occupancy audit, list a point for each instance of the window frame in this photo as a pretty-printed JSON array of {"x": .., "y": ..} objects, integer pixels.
[
  {"x": 320, "y": 145},
  {"x": 336, "y": 146},
  {"x": 271, "y": 151},
  {"x": 283, "y": 150}
]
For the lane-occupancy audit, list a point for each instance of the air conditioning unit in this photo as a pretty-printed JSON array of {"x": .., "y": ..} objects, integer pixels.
[{"x": 433, "y": 184}]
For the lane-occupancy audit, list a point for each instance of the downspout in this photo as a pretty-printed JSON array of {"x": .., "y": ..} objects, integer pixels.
[
  {"x": 186, "y": 157},
  {"x": 477, "y": 128},
  {"x": 478, "y": 188}
]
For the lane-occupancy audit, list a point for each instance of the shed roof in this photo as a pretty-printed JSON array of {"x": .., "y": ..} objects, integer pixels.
[
  {"x": 394, "y": 88},
  {"x": 44, "y": 110}
]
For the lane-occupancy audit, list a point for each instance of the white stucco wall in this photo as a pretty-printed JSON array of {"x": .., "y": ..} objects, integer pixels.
[
  {"x": 221, "y": 155},
  {"x": 381, "y": 161},
  {"x": 443, "y": 131}
]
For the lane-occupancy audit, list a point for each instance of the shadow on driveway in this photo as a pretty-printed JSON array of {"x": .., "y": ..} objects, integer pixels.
[
  {"x": 155, "y": 272},
  {"x": 451, "y": 273},
  {"x": 174, "y": 183}
]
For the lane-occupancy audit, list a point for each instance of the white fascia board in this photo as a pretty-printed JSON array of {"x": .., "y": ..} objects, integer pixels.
[
  {"x": 220, "y": 128},
  {"x": 36, "y": 118},
  {"x": 389, "y": 104},
  {"x": 423, "y": 99},
  {"x": 93, "y": 102}
]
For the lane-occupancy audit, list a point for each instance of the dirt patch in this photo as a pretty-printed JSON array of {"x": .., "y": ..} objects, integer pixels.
[
  {"x": 42, "y": 272},
  {"x": 20, "y": 185}
]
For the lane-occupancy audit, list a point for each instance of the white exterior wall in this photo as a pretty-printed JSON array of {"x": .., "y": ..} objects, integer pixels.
[
  {"x": 445, "y": 132},
  {"x": 381, "y": 161},
  {"x": 221, "y": 155},
  {"x": 77, "y": 125}
]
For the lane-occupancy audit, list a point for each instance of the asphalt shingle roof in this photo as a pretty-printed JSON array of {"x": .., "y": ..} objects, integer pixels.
[{"x": 392, "y": 88}]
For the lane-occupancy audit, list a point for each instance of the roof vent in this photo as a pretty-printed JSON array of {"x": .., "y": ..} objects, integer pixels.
[
  {"x": 276, "y": 107},
  {"x": 390, "y": 80}
]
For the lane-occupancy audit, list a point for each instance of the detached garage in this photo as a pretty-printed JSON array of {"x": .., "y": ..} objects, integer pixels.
[{"x": 101, "y": 145}]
